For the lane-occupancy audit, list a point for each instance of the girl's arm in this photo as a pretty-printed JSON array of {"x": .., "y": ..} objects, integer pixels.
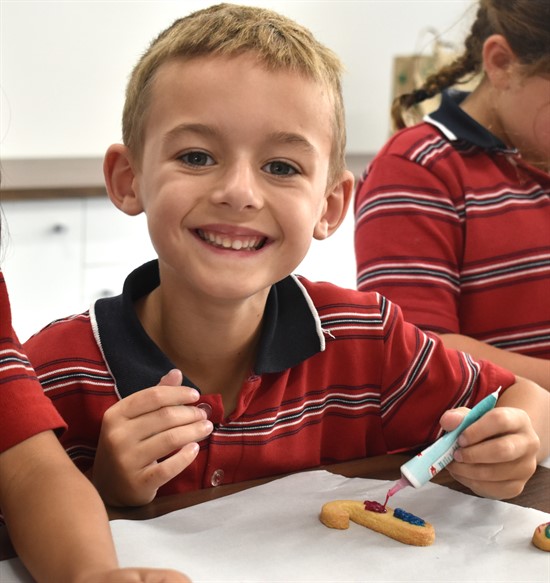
[
  {"x": 536, "y": 369},
  {"x": 57, "y": 521}
]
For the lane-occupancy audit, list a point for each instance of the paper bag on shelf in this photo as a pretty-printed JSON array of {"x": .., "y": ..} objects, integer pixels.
[{"x": 410, "y": 72}]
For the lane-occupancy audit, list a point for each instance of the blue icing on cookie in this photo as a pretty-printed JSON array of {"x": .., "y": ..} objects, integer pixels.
[{"x": 408, "y": 517}]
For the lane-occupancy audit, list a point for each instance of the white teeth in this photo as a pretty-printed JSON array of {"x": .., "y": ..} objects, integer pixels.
[{"x": 246, "y": 243}]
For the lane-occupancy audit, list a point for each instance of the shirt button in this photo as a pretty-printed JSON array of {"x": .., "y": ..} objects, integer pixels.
[
  {"x": 217, "y": 478},
  {"x": 207, "y": 408}
]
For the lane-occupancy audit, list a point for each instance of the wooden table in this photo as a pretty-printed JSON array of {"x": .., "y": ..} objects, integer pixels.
[{"x": 535, "y": 495}]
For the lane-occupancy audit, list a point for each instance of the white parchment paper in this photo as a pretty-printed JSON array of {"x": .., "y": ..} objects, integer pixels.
[{"x": 272, "y": 533}]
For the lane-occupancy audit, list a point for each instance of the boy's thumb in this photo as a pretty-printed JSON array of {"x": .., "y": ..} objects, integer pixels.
[
  {"x": 172, "y": 378},
  {"x": 452, "y": 418}
]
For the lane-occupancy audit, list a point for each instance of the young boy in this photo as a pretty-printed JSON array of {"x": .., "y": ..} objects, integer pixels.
[{"x": 234, "y": 147}]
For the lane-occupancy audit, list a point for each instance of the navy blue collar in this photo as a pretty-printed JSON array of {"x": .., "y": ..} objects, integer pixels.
[
  {"x": 457, "y": 125},
  {"x": 290, "y": 334}
]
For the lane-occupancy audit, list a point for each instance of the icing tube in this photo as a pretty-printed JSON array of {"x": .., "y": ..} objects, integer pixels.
[{"x": 424, "y": 466}]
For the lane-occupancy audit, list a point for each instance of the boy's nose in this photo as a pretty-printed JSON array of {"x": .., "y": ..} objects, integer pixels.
[{"x": 239, "y": 189}]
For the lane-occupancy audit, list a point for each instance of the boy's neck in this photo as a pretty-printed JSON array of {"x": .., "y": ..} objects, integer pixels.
[{"x": 213, "y": 346}]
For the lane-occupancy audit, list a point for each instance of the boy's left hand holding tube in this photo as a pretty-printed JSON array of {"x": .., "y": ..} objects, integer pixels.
[
  {"x": 147, "y": 439},
  {"x": 499, "y": 452}
]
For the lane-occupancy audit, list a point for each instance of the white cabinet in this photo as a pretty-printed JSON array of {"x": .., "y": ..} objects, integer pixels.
[
  {"x": 42, "y": 260},
  {"x": 115, "y": 244},
  {"x": 58, "y": 255}
]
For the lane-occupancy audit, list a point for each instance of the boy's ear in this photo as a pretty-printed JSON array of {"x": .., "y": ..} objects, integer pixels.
[
  {"x": 499, "y": 60},
  {"x": 336, "y": 205},
  {"x": 118, "y": 170}
]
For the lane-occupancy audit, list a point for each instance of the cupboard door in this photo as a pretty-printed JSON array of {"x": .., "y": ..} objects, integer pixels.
[
  {"x": 114, "y": 238},
  {"x": 42, "y": 249},
  {"x": 115, "y": 245}
]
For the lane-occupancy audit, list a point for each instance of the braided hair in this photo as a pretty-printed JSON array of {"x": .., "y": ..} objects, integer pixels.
[{"x": 523, "y": 23}]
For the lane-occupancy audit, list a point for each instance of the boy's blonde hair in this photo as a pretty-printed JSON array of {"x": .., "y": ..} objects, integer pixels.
[{"x": 231, "y": 30}]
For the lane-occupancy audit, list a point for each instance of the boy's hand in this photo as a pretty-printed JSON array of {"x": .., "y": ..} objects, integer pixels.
[
  {"x": 135, "y": 575},
  {"x": 142, "y": 429},
  {"x": 497, "y": 453}
]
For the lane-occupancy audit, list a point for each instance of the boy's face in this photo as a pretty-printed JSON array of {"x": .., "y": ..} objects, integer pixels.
[{"x": 233, "y": 176}]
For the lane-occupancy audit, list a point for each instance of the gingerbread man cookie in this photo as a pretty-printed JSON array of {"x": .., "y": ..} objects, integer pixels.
[{"x": 397, "y": 524}]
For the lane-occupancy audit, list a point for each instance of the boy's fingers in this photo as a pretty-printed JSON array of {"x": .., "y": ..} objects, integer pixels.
[
  {"x": 162, "y": 576},
  {"x": 156, "y": 422},
  {"x": 152, "y": 439},
  {"x": 162, "y": 444},
  {"x": 497, "y": 489},
  {"x": 497, "y": 422},
  {"x": 136, "y": 575},
  {"x": 514, "y": 470},
  {"x": 172, "y": 378},
  {"x": 156, "y": 475},
  {"x": 452, "y": 418},
  {"x": 139, "y": 575},
  {"x": 504, "y": 480},
  {"x": 500, "y": 450},
  {"x": 154, "y": 398}
]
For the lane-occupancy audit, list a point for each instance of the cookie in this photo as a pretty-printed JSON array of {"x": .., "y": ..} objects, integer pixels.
[
  {"x": 541, "y": 537},
  {"x": 397, "y": 524}
]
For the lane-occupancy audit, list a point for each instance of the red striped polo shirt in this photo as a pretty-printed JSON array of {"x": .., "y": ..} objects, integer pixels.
[
  {"x": 455, "y": 228},
  {"x": 339, "y": 375},
  {"x": 24, "y": 410}
]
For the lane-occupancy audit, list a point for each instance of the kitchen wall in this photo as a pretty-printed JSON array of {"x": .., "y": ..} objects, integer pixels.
[
  {"x": 63, "y": 70},
  {"x": 64, "y": 64}
]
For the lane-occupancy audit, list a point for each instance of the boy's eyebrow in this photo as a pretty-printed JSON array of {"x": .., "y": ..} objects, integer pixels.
[
  {"x": 292, "y": 138},
  {"x": 199, "y": 128}
]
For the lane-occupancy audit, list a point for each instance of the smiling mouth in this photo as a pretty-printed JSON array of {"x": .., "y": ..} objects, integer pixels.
[{"x": 236, "y": 243}]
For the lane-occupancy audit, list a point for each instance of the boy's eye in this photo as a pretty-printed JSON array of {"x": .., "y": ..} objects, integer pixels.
[
  {"x": 280, "y": 168},
  {"x": 196, "y": 159}
]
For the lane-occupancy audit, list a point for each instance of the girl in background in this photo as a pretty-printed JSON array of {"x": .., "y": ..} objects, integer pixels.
[{"x": 453, "y": 214}]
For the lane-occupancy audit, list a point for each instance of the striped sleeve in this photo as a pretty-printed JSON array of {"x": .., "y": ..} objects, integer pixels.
[
  {"x": 74, "y": 376},
  {"x": 421, "y": 379},
  {"x": 418, "y": 265},
  {"x": 24, "y": 409}
]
